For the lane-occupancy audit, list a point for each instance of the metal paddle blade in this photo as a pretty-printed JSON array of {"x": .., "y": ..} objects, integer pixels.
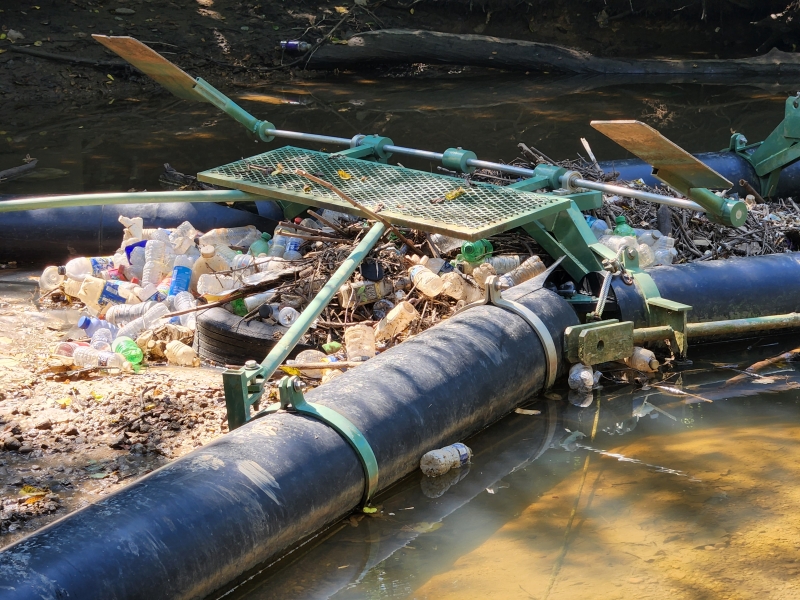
[
  {"x": 671, "y": 163},
  {"x": 152, "y": 64}
]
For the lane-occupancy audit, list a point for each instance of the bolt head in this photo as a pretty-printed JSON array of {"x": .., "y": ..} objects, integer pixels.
[
  {"x": 631, "y": 252},
  {"x": 298, "y": 385},
  {"x": 251, "y": 364}
]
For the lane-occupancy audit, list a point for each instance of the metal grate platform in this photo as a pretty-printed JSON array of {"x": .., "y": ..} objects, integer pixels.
[{"x": 403, "y": 196}]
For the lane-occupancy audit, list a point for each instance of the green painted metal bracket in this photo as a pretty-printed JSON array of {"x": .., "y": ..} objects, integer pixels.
[
  {"x": 780, "y": 149},
  {"x": 456, "y": 160},
  {"x": 290, "y": 393},
  {"x": 599, "y": 342},
  {"x": 244, "y": 386},
  {"x": 367, "y": 147},
  {"x": 566, "y": 233}
]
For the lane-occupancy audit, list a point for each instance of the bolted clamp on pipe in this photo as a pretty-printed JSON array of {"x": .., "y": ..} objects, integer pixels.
[{"x": 456, "y": 159}]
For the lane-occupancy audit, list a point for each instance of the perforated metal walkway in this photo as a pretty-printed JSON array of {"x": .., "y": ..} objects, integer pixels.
[{"x": 403, "y": 196}]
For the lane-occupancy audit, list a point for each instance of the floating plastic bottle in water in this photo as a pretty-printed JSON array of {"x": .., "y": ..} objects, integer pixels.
[
  {"x": 396, "y": 321},
  {"x": 426, "y": 281},
  {"x": 438, "y": 462},
  {"x": 89, "y": 357},
  {"x": 581, "y": 378},
  {"x": 359, "y": 342},
  {"x": 642, "y": 359},
  {"x": 529, "y": 269},
  {"x": 51, "y": 278},
  {"x": 126, "y": 347},
  {"x": 119, "y": 314}
]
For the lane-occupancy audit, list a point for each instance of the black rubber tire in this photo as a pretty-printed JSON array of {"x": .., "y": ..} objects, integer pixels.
[{"x": 225, "y": 339}]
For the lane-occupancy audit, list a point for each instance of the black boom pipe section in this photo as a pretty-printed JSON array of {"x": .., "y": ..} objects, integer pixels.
[
  {"x": 207, "y": 519},
  {"x": 717, "y": 290}
]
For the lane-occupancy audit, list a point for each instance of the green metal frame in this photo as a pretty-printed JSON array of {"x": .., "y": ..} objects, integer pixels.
[
  {"x": 291, "y": 396},
  {"x": 780, "y": 149},
  {"x": 244, "y": 386}
]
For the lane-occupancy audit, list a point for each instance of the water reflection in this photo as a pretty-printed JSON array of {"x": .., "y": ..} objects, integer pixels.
[{"x": 681, "y": 500}]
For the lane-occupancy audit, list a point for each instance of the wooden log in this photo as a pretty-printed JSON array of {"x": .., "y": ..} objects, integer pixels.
[
  {"x": 19, "y": 171},
  {"x": 411, "y": 46}
]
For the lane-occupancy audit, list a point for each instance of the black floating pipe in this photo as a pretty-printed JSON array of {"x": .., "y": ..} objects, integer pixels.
[
  {"x": 736, "y": 288},
  {"x": 207, "y": 519},
  {"x": 57, "y": 233}
]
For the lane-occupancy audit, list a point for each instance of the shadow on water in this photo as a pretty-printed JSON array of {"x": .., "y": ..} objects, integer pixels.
[
  {"x": 686, "y": 500},
  {"x": 124, "y": 146}
]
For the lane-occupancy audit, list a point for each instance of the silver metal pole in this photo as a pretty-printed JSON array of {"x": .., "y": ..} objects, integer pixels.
[
  {"x": 308, "y": 137},
  {"x": 639, "y": 195}
]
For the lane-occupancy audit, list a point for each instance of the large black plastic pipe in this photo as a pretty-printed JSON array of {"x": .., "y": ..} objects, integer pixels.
[
  {"x": 210, "y": 517},
  {"x": 55, "y": 234},
  {"x": 728, "y": 164},
  {"x": 736, "y": 288}
]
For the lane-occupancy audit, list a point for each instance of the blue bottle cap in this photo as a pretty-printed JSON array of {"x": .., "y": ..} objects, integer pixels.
[{"x": 84, "y": 322}]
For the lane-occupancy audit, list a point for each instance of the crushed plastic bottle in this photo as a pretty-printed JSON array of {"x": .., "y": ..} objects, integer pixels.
[
  {"x": 503, "y": 264},
  {"x": 438, "y": 462},
  {"x": 215, "y": 285},
  {"x": 101, "y": 339},
  {"x": 292, "y": 251},
  {"x": 146, "y": 321},
  {"x": 82, "y": 267},
  {"x": 241, "y": 237},
  {"x": 359, "y": 342},
  {"x": 581, "y": 378},
  {"x": 444, "y": 243},
  {"x": 664, "y": 251},
  {"x": 396, "y": 321},
  {"x": 243, "y": 264},
  {"x": 458, "y": 288},
  {"x": 529, "y": 269},
  {"x": 482, "y": 273},
  {"x": 364, "y": 292}
]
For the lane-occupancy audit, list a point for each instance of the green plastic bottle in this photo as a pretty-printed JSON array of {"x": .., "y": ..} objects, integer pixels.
[
  {"x": 128, "y": 348},
  {"x": 474, "y": 252},
  {"x": 622, "y": 227},
  {"x": 261, "y": 245}
]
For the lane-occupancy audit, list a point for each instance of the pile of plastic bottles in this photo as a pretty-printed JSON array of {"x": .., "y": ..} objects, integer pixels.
[
  {"x": 154, "y": 272},
  {"x": 653, "y": 247}
]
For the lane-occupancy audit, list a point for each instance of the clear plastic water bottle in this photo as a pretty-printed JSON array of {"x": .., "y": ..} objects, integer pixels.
[
  {"x": 89, "y": 357},
  {"x": 51, "y": 278},
  {"x": 91, "y": 324},
  {"x": 181, "y": 275},
  {"x": 79, "y": 268},
  {"x": 241, "y": 237},
  {"x": 426, "y": 281},
  {"x": 183, "y": 237},
  {"x": 119, "y": 314},
  {"x": 185, "y": 301},
  {"x": 292, "y": 251},
  {"x": 243, "y": 264},
  {"x": 137, "y": 261},
  {"x": 146, "y": 321},
  {"x": 127, "y": 348},
  {"x": 101, "y": 339},
  {"x": 527, "y": 270},
  {"x": 226, "y": 253}
]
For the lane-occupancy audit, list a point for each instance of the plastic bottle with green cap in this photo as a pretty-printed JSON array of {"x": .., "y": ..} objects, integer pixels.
[
  {"x": 127, "y": 347},
  {"x": 261, "y": 245},
  {"x": 474, "y": 252},
  {"x": 622, "y": 227}
]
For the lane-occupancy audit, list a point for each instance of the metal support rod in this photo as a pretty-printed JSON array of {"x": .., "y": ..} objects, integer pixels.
[
  {"x": 290, "y": 339},
  {"x": 35, "y": 202},
  {"x": 307, "y": 137},
  {"x": 715, "y": 328},
  {"x": 639, "y": 195}
]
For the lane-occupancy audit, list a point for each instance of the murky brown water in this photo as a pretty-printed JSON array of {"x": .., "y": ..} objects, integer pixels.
[
  {"x": 699, "y": 501},
  {"x": 716, "y": 520}
]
